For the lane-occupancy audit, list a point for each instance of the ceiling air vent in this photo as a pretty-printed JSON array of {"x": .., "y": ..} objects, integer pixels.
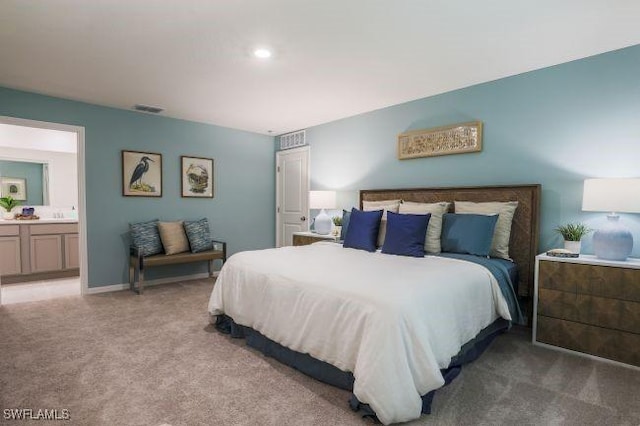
[
  {"x": 293, "y": 140},
  {"x": 147, "y": 108}
]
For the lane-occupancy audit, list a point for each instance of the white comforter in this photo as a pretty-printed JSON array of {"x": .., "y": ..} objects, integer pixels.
[{"x": 393, "y": 321}]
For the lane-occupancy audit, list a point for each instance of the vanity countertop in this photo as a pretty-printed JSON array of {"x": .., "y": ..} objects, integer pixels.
[{"x": 37, "y": 221}]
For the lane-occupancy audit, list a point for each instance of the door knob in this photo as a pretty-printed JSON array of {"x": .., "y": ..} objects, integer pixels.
[{"x": 303, "y": 218}]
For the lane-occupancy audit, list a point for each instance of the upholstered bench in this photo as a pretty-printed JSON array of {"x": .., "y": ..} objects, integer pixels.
[
  {"x": 138, "y": 263},
  {"x": 156, "y": 243}
]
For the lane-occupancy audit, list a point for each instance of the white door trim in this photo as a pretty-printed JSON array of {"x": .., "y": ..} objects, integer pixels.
[
  {"x": 278, "y": 195},
  {"x": 82, "y": 199}
]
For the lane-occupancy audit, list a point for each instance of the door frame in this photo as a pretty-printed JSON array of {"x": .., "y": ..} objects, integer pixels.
[
  {"x": 82, "y": 198},
  {"x": 279, "y": 155}
]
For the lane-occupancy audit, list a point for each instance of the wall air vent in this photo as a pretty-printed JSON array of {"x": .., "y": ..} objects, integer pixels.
[
  {"x": 293, "y": 140},
  {"x": 147, "y": 108}
]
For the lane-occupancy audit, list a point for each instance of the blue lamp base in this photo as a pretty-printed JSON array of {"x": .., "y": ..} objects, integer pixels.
[{"x": 613, "y": 241}]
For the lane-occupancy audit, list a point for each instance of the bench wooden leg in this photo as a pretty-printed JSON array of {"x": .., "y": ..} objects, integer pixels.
[{"x": 210, "y": 265}]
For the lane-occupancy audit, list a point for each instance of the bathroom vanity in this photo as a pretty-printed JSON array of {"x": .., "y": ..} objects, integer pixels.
[{"x": 38, "y": 249}]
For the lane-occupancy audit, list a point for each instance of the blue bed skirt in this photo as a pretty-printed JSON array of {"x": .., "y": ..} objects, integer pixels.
[{"x": 329, "y": 374}]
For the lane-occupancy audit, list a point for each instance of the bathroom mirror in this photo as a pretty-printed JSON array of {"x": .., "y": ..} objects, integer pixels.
[{"x": 25, "y": 181}]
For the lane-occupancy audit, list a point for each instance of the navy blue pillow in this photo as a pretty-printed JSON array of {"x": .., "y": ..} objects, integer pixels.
[
  {"x": 468, "y": 233},
  {"x": 363, "y": 230},
  {"x": 346, "y": 216},
  {"x": 405, "y": 234}
]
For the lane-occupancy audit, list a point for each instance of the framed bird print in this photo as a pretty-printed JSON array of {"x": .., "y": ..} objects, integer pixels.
[
  {"x": 197, "y": 177},
  {"x": 141, "y": 174}
]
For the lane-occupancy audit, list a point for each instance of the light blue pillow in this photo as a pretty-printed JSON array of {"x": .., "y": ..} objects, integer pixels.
[
  {"x": 468, "y": 233},
  {"x": 405, "y": 234},
  {"x": 145, "y": 236},
  {"x": 363, "y": 230},
  {"x": 198, "y": 235}
]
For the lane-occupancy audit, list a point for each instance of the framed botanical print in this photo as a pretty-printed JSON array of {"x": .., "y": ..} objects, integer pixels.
[
  {"x": 141, "y": 174},
  {"x": 197, "y": 177}
]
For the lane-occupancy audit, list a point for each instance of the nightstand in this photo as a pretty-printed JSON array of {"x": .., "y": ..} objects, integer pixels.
[
  {"x": 589, "y": 306},
  {"x": 305, "y": 238}
]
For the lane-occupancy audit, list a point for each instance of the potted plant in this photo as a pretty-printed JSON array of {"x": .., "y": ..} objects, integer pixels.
[
  {"x": 337, "y": 222},
  {"x": 8, "y": 203},
  {"x": 572, "y": 234}
]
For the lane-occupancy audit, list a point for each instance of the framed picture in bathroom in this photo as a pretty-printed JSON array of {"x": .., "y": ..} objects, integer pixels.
[
  {"x": 14, "y": 187},
  {"x": 141, "y": 174}
]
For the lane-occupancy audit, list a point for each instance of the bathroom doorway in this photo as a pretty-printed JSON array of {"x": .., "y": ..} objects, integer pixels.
[{"x": 43, "y": 239}]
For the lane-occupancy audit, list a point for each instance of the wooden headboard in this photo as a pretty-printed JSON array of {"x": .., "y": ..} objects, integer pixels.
[{"x": 523, "y": 244}]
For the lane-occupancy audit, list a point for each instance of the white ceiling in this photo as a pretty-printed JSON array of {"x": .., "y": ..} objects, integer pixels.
[{"x": 332, "y": 58}]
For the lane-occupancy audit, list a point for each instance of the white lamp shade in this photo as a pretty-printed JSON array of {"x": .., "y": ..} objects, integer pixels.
[
  {"x": 620, "y": 195},
  {"x": 322, "y": 199}
]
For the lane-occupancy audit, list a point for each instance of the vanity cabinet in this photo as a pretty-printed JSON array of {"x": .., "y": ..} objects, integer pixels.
[
  {"x": 10, "y": 259},
  {"x": 38, "y": 251},
  {"x": 71, "y": 251},
  {"x": 46, "y": 253}
]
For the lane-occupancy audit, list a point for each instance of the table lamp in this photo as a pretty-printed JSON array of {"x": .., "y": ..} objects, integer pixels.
[
  {"x": 322, "y": 200},
  {"x": 613, "y": 241}
]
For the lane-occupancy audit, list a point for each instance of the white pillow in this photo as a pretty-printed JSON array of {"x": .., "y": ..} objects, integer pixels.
[
  {"x": 432, "y": 240},
  {"x": 505, "y": 211},
  {"x": 385, "y": 205}
]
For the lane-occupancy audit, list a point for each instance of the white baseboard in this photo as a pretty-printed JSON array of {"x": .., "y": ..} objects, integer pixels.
[{"x": 147, "y": 283}]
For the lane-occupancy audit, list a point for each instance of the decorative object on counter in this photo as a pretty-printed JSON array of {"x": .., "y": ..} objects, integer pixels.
[
  {"x": 322, "y": 200},
  {"x": 453, "y": 139},
  {"x": 613, "y": 241},
  {"x": 14, "y": 187},
  {"x": 8, "y": 203},
  {"x": 141, "y": 174},
  {"x": 572, "y": 234},
  {"x": 22, "y": 216},
  {"x": 197, "y": 177},
  {"x": 337, "y": 226}
]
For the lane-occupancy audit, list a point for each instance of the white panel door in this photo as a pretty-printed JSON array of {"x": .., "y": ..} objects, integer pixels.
[{"x": 292, "y": 194}]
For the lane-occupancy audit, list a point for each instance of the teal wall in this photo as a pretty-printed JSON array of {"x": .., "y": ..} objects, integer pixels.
[
  {"x": 31, "y": 172},
  {"x": 556, "y": 126},
  {"x": 242, "y": 212}
]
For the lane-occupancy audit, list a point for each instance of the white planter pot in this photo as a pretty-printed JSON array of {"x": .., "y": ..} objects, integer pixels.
[
  {"x": 573, "y": 246},
  {"x": 8, "y": 216},
  {"x": 337, "y": 230}
]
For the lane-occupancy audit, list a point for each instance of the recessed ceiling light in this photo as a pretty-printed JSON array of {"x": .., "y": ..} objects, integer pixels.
[{"x": 262, "y": 53}]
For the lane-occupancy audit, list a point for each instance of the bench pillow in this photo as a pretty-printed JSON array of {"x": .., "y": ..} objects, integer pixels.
[
  {"x": 199, "y": 235},
  {"x": 145, "y": 236},
  {"x": 173, "y": 237}
]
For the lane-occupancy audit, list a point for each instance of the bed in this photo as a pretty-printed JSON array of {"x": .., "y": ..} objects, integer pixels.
[{"x": 371, "y": 322}]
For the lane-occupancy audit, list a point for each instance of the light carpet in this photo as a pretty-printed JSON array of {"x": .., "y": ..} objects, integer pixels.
[{"x": 123, "y": 359}]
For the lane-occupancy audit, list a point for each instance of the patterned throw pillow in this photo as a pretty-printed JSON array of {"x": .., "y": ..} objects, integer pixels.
[
  {"x": 145, "y": 236},
  {"x": 199, "y": 235}
]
